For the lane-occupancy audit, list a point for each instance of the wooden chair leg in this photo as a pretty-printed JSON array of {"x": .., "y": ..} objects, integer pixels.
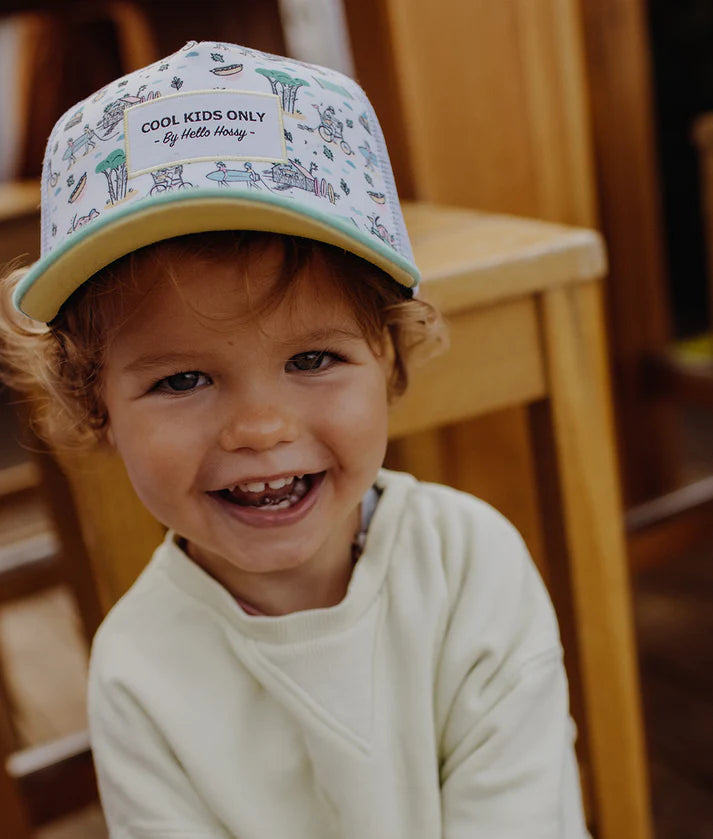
[
  {"x": 72, "y": 566},
  {"x": 75, "y": 564},
  {"x": 13, "y": 818},
  {"x": 596, "y": 569},
  {"x": 55, "y": 778},
  {"x": 557, "y": 574},
  {"x": 8, "y": 733},
  {"x": 14, "y": 821}
]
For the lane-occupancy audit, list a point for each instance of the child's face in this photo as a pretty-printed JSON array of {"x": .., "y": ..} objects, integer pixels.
[{"x": 206, "y": 406}]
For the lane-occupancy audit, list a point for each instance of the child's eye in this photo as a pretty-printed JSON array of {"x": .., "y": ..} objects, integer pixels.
[
  {"x": 183, "y": 382},
  {"x": 309, "y": 362}
]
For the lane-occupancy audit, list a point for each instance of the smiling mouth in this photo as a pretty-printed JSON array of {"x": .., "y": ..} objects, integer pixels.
[{"x": 279, "y": 494}]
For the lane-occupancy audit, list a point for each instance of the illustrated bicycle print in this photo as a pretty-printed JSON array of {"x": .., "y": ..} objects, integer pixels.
[
  {"x": 168, "y": 178},
  {"x": 331, "y": 129}
]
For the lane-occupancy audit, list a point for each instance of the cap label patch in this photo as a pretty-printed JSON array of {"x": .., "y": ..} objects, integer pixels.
[{"x": 204, "y": 125}]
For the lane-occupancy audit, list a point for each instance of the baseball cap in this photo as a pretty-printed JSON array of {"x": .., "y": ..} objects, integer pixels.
[{"x": 214, "y": 137}]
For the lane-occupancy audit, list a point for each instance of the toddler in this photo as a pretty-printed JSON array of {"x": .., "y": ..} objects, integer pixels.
[{"x": 320, "y": 648}]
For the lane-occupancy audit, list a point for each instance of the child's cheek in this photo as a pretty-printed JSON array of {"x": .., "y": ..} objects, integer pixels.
[{"x": 364, "y": 412}]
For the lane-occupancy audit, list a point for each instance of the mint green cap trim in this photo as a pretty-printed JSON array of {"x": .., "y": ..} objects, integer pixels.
[{"x": 150, "y": 220}]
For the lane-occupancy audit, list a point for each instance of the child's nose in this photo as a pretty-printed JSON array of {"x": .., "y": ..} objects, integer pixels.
[{"x": 258, "y": 427}]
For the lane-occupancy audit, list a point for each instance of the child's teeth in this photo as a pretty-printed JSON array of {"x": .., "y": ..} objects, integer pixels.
[
  {"x": 277, "y": 483},
  {"x": 261, "y": 486},
  {"x": 255, "y": 487}
]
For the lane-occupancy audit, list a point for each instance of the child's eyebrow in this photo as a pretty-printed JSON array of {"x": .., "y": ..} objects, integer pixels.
[
  {"x": 325, "y": 334},
  {"x": 150, "y": 361},
  {"x": 184, "y": 360}
]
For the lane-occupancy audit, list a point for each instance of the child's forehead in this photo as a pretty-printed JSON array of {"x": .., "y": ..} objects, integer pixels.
[{"x": 253, "y": 285}]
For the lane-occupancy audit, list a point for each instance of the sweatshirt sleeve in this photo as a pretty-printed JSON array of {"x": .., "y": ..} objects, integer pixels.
[
  {"x": 507, "y": 762},
  {"x": 144, "y": 791}
]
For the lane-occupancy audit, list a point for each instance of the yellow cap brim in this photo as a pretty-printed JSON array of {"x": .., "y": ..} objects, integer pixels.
[{"x": 53, "y": 279}]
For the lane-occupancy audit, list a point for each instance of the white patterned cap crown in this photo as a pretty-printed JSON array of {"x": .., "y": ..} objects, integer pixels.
[{"x": 214, "y": 137}]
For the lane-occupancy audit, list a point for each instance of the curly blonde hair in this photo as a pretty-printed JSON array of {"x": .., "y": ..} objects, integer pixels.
[{"x": 58, "y": 366}]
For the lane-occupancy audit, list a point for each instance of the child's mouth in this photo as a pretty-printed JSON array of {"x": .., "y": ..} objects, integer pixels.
[{"x": 278, "y": 494}]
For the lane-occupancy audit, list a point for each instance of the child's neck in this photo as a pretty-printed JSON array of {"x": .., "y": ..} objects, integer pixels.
[
  {"x": 298, "y": 592},
  {"x": 318, "y": 584}
]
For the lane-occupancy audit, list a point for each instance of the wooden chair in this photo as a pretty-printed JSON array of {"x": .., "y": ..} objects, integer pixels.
[
  {"x": 14, "y": 819},
  {"x": 540, "y": 109},
  {"x": 15, "y": 822}
]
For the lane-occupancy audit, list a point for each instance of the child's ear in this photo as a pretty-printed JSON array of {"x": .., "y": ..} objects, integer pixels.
[{"x": 109, "y": 438}]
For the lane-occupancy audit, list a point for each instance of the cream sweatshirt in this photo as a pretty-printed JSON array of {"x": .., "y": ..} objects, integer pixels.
[{"x": 431, "y": 703}]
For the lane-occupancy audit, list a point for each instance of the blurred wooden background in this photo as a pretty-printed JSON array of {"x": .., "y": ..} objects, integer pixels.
[{"x": 539, "y": 109}]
